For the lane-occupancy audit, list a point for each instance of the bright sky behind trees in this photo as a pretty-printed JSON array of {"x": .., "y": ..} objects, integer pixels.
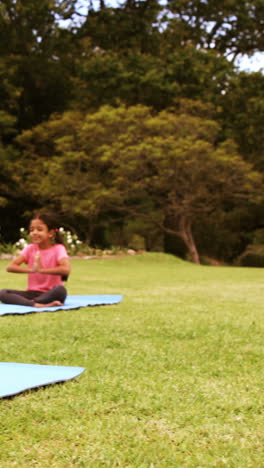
[{"x": 251, "y": 64}]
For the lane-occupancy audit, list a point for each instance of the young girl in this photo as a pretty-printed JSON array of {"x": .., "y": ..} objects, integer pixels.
[{"x": 47, "y": 266}]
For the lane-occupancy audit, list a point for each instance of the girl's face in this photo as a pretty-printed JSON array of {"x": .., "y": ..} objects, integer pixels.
[{"x": 40, "y": 234}]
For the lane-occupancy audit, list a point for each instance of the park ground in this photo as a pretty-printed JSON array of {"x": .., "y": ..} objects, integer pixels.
[{"x": 174, "y": 373}]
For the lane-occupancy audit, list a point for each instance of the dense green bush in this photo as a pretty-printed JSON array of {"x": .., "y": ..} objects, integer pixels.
[{"x": 252, "y": 257}]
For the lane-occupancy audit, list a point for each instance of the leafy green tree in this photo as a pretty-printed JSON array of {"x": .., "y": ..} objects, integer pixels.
[
  {"x": 179, "y": 169},
  {"x": 155, "y": 81},
  {"x": 231, "y": 27},
  {"x": 242, "y": 115},
  {"x": 142, "y": 164},
  {"x": 141, "y": 52},
  {"x": 52, "y": 171},
  {"x": 34, "y": 47},
  {"x": 132, "y": 25}
]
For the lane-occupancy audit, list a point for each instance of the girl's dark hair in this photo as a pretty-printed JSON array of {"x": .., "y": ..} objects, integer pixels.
[{"x": 52, "y": 223}]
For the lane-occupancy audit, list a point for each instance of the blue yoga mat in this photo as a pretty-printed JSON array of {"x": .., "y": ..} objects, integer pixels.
[
  {"x": 16, "y": 378},
  {"x": 72, "y": 302}
]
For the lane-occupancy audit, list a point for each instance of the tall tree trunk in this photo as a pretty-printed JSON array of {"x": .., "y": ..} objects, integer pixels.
[{"x": 185, "y": 232}]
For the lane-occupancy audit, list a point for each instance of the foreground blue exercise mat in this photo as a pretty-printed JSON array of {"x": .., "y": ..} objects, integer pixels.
[
  {"x": 16, "y": 378},
  {"x": 72, "y": 302}
]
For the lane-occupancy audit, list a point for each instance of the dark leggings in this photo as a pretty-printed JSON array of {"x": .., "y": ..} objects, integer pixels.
[{"x": 28, "y": 298}]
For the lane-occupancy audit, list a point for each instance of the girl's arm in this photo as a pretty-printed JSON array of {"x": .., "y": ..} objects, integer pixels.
[
  {"x": 15, "y": 265},
  {"x": 63, "y": 269}
]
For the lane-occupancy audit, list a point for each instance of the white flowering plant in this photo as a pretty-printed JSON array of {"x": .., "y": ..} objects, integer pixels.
[
  {"x": 23, "y": 240},
  {"x": 71, "y": 241}
]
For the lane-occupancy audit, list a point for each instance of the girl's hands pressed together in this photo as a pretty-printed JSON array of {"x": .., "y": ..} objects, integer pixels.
[{"x": 37, "y": 263}]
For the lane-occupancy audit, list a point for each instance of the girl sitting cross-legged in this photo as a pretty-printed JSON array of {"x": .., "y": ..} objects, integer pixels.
[{"x": 47, "y": 266}]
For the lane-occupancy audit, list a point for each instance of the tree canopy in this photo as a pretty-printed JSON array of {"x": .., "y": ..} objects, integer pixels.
[
  {"x": 145, "y": 164},
  {"x": 71, "y": 83}
]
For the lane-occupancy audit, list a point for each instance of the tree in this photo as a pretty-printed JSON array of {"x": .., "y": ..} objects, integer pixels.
[
  {"x": 34, "y": 48},
  {"x": 232, "y": 27},
  {"x": 53, "y": 169},
  {"x": 139, "y": 163},
  {"x": 180, "y": 172},
  {"x": 108, "y": 78},
  {"x": 242, "y": 115},
  {"x": 130, "y": 26}
]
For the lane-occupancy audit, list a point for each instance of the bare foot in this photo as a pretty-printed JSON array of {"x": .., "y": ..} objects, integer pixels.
[{"x": 50, "y": 304}]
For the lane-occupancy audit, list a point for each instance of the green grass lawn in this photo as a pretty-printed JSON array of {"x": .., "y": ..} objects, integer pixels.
[{"x": 174, "y": 373}]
